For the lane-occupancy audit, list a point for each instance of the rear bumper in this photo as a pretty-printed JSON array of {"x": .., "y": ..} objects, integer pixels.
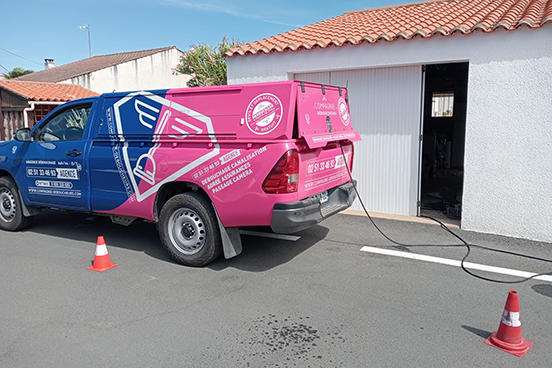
[{"x": 288, "y": 218}]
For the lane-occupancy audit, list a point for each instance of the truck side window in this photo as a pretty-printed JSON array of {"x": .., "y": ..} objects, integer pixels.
[{"x": 67, "y": 125}]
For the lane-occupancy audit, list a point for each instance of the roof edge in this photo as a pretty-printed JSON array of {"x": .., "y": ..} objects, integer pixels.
[
  {"x": 76, "y": 74},
  {"x": 405, "y": 5}
]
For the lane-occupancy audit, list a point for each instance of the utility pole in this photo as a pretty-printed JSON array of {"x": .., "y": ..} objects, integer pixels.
[{"x": 87, "y": 27}]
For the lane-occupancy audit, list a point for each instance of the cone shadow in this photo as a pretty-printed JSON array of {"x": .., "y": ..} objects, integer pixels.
[
  {"x": 543, "y": 289},
  {"x": 482, "y": 333}
]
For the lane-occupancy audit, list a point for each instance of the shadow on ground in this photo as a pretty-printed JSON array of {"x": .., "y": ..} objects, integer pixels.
[
  {"x": 543, "y": 289},
  {"x": 139, "y": 236},
  {"x": 259, "y": 253},
  {"x": 482, "y": 333}
]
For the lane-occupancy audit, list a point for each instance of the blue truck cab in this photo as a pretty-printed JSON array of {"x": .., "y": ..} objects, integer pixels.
[{"x": 49, "y": 161}]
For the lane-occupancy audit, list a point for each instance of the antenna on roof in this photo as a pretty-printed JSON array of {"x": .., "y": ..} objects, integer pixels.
[{"x": 87, "y": 27}]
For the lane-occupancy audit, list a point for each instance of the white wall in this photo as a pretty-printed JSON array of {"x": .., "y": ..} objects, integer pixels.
[
  {"x": 508, "y": 160},
  {"x": 508, "y": 177},
  {"x": 152, "y": 72}
]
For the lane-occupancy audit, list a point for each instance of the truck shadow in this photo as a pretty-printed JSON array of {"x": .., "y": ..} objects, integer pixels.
[
  {"x": 139, "y": 236},
  {"x": 259, "y": 253}
]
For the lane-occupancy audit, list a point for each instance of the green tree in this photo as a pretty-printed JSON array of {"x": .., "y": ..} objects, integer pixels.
[
  {"x": 17, "y": 72},
  {"x": 206, "y": 64}
]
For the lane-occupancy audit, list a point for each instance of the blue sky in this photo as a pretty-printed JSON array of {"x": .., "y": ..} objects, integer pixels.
[{"x": 35, "y": 30}]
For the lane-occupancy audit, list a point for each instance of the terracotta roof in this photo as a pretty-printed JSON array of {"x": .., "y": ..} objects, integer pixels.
[
  {"x": 424, "y": 19},
  {"x": 41, "y": 91},
  {"x": 85, "y": 66}
]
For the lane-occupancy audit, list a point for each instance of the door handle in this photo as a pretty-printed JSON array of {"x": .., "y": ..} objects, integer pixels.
[{"x": 74, "y": 153}]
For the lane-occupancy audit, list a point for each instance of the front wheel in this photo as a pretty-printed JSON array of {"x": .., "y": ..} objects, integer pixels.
[
  {"x": 189, "y": 230},
  {"x": 11, "y": 212}
]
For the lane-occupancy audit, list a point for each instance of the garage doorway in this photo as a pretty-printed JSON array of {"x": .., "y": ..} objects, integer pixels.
[{"x": 444, "y": 131}]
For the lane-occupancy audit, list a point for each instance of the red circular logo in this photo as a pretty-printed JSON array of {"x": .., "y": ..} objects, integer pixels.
[
  {"x": 264, "y": 113},
  {"x": 343, "y": 111}
]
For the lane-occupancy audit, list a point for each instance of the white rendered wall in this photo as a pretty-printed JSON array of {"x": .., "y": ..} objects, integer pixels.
[
  {"x": 152, "y": 72},
  {"x": 508, "y": 176},
  {"x": 508, "y": 157}
]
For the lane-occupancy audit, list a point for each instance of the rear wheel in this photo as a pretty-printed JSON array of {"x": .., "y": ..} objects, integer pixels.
[
  {"x": 188, "y": 229},
  {"x": 11, "y": 211}
]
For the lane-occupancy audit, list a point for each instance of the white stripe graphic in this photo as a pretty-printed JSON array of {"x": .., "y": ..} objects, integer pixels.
[
  {"x": 511, "y": 319},
  {"x": 452, "y": 262},
  {"x": 101, "y": 250}
]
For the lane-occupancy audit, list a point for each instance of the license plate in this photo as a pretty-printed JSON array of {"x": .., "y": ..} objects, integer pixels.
[{"x": 323, "y": 197}]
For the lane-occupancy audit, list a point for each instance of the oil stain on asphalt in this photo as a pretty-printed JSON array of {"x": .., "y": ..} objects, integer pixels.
[{"x": 285, "y": 342}]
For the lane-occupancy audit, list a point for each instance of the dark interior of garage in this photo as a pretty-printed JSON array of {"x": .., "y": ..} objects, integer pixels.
[{"x": 444, "y": 128}]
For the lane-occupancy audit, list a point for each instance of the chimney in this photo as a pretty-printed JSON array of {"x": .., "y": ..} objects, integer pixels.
[{"x": 48, "y": 63}]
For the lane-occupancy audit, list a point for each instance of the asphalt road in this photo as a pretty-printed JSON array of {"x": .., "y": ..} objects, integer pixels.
[{"x": 314, "y": 302}]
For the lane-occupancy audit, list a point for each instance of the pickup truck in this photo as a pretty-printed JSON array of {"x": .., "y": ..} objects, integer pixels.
[{"x": 199, "y": 162}]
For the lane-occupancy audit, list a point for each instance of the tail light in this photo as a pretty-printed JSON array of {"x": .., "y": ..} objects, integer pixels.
[
  {"x": 352, "y": 152},
  {"x": 284, "y": 176}
]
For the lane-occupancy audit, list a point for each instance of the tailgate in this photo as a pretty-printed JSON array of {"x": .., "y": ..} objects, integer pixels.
[
  {"x": 323, "y": 115},
  {"x": 324, "y": 168}
]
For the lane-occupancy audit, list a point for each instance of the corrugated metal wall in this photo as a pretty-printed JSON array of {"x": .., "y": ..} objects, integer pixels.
[{"x": 386, "y": 110}]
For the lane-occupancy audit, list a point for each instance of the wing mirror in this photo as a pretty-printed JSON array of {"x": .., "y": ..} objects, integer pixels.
[{"x": 23, "y": 135}]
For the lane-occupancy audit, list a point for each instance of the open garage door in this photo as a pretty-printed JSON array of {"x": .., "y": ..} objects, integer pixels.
[
  {"x": 444, "y": 132},
  {"x": 385, "y": 106}
]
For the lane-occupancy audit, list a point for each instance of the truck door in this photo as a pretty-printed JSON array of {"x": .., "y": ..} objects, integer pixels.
[{"x": 55, "y": 168}]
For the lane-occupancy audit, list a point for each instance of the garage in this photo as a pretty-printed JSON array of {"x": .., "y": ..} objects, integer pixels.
[
  {"x": 452, "y": 100},
  {"x": 407, "y": 177}
]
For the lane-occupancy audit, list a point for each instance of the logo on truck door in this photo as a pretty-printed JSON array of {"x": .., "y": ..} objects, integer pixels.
[
  {"x": 264, "y": 113},
  {"x": 156, "y": 116}
]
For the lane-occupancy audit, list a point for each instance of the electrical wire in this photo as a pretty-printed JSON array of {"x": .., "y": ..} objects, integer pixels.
[
  {"x": 19, "y": 56},
  {"x": 464, "y": 243},
  {"x": 3, "y": 67}
]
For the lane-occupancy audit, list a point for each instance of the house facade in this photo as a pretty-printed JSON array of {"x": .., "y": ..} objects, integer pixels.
[
  {"x": 487, "y": 156},
  {"x": 127, "y": 71}
]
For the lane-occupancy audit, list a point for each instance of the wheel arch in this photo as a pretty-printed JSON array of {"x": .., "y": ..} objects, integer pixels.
[
  {"x": 27, "y": 211},
  {"x": 231, "y": 240},
  {"x": 6, "y": 173},
  {"x": 169, "y": 190}
]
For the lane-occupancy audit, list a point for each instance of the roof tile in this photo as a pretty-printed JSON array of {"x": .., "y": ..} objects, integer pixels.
[
  {"x": 425, "y": 19},
  {"x": 42, "y": 91},
  {"x": 85, "y": 66}
]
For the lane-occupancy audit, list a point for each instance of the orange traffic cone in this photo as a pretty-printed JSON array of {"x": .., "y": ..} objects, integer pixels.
[
  {"x": 508, "y": 336},
  {"x": 101, "y": 260}
]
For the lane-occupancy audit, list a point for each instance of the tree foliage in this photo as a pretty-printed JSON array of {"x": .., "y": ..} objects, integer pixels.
[
  {"x": 17, "y": 72},
  {"x": 205, "y": 63}
]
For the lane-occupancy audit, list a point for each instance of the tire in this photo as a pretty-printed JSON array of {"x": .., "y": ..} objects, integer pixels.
[
  {"x": 189, "y": 230},
  {"x": 11, "y": 212}
]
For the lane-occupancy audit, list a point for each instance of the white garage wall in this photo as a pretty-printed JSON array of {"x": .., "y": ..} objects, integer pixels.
[
  {"x": 322, "y": 78},
  {"x": 385, "y": 107},
  {"x": 508, "y": 178},
  {"x": 508, "y": 151}
]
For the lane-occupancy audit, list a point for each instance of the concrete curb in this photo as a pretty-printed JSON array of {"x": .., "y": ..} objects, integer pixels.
[{"x": 453, "y": 224}]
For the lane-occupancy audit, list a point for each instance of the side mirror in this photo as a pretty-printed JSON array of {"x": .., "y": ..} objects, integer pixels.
[{"x": 23, "y": 135}]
